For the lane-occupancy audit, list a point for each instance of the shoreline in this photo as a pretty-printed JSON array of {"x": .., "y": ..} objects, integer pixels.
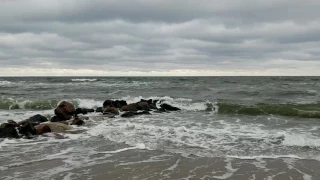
[{"x": 151, "y": 164}]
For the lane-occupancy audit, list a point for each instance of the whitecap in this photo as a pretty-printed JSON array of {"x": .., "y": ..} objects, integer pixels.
[{"x": 83, "y": 80}]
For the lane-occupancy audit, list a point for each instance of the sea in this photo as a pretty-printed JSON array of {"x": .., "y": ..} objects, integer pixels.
[{"x": 231, "y": 128}]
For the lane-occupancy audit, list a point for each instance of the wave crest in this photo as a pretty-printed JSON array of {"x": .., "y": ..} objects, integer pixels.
[
  {"x": 83, "y": 80},
  {"x": 27, "y": 104},
  {"x": 182, "y": 103},
  {"x": 311, "y": 110}
]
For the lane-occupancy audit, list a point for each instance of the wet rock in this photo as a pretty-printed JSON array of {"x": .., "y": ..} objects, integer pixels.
[{"x": 169, "y": 107}]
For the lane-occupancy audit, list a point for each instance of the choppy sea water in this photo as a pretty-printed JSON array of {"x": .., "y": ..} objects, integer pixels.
[{"x": 228, "y": 128}]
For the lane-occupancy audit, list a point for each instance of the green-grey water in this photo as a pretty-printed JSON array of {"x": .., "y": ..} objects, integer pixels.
[{"x": 228, "y": 128}]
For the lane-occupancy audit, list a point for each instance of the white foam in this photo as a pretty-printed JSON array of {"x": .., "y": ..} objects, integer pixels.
[
  {"x": 6, "y": 83},
  {"x": 307, "y": 177},
  {"x": 33, "y": 161},
  {"x": 229, "y": 172},
  {"x": 114, "y": 92},
  {"x": 130, "y": 99},
  {"x": 27, "y": 142},
  {"x": 252, "y": 177},
  {"x": 165, "y": 132},
  {"x": 200, "y": 106},
  {"x": 3, "y": 83},
  {"x": 201, "y": 140},
  {"x": 83, "y": 80},
  {"x": 143, "y": 161},
  {"x": 301, "y": 139},
  {"x": 71, "y": 157},
  {"x": 141, "y": 146},
  {"x": 172, "y": 132},
  {"x": 89, "y": 103},
  {"x": 119, "y": 84},
  {"x": 261, "y": 164},
  {"x": 265, "y": 157},
  {"x": 6, "y": 142},
  {"x": 182, "y": 103},
  {"x": 187, "y": 104},
  {"x": 19, "y": 115},
  {"x": 138, "y": 146},
  {"x": 76, "y": 136},
  {"x": 291, "y": 166},
  {"x": 184, "y": 99},
  {"x": 173, "y": 167},
  {"x": 68, "y": 176}
]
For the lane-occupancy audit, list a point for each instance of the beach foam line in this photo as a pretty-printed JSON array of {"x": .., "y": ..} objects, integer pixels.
[
  {"x": 49, "y": 157},
  {"x": 138, "y": 146},
  {"x": 33, "y": 142},
  {"x": 27, "y": 162},
  {"x": 265, "y": 157},
  {"x": 229, "y": 172}
]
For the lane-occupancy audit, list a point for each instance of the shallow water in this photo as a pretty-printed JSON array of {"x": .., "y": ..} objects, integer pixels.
[{"x": 228, "y": 128}]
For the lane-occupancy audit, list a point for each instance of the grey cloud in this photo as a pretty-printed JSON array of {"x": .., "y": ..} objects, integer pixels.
[
  {"x": 165, "y": 35},
  {"x": 158, "y": 10}
]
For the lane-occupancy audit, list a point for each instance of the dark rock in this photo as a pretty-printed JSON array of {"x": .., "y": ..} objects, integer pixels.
[
  {"x": 119, "y": 103},
  {"x": 109, "y": 115},
  {"x": 130, "y": 107},
  {"x": 108, "y": 103},
  {"x": 8, "y": 131},
  {"x": 27, "y": 130},
  {"x": 128, "y": 114},
  {"x": 112, "y": 110},
  {"x": 169, "y": 107},
  {"x": 64, "y": 111},
  {"x": 99, "y": 109},
  {"x": 131, "y": 114},
  {"x": 116, "y": 103},
  {"x": 143, "y": 106},
  {"x": 153, "y": 106},
  {"x": 56, "y": 119},
  {"x": 83, "y": 111},
  {"x": 37, "y": 119}
]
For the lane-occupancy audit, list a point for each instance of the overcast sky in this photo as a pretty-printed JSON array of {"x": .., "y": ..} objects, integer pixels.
[{"x": 159, "y": 37}]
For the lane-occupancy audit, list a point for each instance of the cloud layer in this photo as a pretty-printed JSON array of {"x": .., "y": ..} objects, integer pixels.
[{"x": 140, "y": 37}]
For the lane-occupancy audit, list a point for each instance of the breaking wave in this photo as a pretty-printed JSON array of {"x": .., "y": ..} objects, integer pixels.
[
  {"x": 84, "y": 80},
  {"x": 182, "y": 103},
  {"x": 10, "y": 104},
  {"x": 5, "y": 82},
  {"x": 311, "y": 110}
]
